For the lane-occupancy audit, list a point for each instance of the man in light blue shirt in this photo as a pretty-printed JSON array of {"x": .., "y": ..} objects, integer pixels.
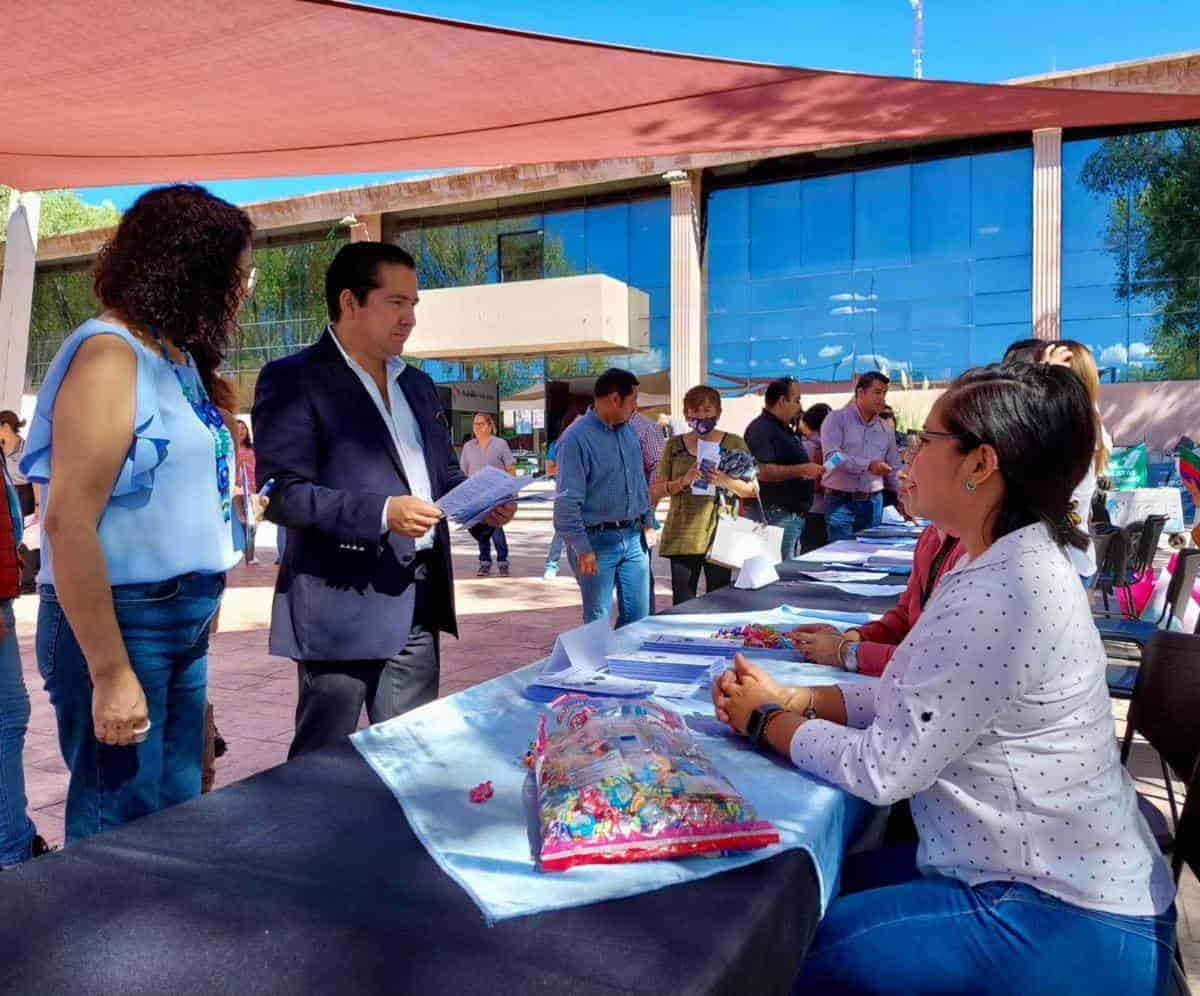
[
  {"x": 602, "y": 509},
  {"x": 860, "y": 454}
]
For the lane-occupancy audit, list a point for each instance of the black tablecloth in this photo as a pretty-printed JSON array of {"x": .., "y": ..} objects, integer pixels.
[{"x": 307, "y": 879}]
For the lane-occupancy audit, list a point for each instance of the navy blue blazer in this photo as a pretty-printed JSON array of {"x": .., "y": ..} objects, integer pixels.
[{"x": 346, "y": 588}]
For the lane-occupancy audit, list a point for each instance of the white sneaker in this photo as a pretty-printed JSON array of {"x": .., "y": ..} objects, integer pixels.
[{"x": 550, "y": 574}]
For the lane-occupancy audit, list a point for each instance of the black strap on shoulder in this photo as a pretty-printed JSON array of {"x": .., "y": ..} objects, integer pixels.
[{"x": 935, "y": 568}]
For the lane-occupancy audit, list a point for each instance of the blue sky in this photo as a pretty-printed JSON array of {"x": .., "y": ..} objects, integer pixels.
[{"x": 975, "y": 40}]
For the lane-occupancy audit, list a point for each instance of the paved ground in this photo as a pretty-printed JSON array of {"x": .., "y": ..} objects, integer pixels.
[{"x": 504, "y": 624}]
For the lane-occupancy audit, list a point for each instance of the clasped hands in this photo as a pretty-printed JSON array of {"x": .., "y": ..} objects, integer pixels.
[
  {"x": 408, "y": 515},
  {"x": 736, "y": 693}
]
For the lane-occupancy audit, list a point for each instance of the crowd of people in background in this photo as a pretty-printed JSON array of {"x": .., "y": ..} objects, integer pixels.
[{"x": 991, "y": 670}]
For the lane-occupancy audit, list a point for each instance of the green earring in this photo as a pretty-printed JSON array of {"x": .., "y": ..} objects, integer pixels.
[{"x": 970, "y": 485}]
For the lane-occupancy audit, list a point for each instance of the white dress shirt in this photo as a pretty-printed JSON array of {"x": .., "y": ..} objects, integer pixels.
[
  {"x": 994, "y": 717},
  {"x": 402, "y": 427}
]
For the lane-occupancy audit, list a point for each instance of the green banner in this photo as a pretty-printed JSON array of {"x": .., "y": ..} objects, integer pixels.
[{"x": 1128, "y": 467}]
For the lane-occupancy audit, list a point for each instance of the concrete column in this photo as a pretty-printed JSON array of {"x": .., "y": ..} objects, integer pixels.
[
  {"x": 367, "y": 228},
  {"x": 1047, "y": 233},
  {"x": 689, "y": 348},
  {"x": 16, "y": 294}
]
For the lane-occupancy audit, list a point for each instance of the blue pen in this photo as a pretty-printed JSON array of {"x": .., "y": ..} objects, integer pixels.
[{"x": 266, "y": 488}]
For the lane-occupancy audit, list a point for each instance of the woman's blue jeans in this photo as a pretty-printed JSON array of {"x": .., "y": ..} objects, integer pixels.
[
  {"x": 16, "y": 829},
  {"x": 165, "y": 628},
  {"x": 903, "y": 933}
]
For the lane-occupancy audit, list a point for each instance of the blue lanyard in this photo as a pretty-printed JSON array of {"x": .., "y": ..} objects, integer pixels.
[{"x": 210, "y": 416}]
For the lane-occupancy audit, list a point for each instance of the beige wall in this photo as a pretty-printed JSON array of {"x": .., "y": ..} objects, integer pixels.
[{"x": 1154, "y": 413}]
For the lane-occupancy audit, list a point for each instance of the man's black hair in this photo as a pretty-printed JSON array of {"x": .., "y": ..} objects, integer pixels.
[
  {"x": 356, "y": 268},
  {"x": 614, "y": 380}
]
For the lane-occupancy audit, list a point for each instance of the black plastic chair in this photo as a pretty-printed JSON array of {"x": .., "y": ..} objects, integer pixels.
[
  {"x": 1166, "y": 702},
  {"x": 1111, "y": 564},
  {"x": 1132, "y": 635},
  {"x": 1164, "y": 707},
  {"x": 1185, "y": 851}
]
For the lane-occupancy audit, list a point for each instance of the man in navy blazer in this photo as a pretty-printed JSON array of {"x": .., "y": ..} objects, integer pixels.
[{"x": 359, "y": 448}]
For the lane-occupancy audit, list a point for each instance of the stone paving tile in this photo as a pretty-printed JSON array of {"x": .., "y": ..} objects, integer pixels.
[{"x": 504, "y": 624}]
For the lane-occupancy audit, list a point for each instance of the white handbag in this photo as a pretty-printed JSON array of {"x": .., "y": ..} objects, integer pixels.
[{"x": 739, "y": 539}]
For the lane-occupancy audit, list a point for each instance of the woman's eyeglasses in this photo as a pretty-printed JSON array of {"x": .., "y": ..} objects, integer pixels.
[{"x": 918, "y": 439}]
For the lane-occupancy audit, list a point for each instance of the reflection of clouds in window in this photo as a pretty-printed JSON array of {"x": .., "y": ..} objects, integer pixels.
[
  {"x": 1140, "y": 351},
  {"x": 828, "y": 352},
  {"x": 787, "y": 362},
  {"x": 802, "y": 360},
  {"x": 649, "y": 362},
  {"x": 1114, "y": 356}
]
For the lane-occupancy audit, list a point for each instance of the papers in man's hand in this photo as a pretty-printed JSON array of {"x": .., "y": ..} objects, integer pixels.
[{"x": 470, "y": 502}]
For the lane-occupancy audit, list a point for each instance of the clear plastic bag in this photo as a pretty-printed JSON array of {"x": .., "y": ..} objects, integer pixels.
[{"x": 621, "y": 781}]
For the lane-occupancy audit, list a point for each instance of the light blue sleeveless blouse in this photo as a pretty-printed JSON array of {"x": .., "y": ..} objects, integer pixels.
[{"x": 164, "y": 518}]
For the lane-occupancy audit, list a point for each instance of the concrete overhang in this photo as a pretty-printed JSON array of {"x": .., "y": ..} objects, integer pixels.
[{"x": 553, "y": 316}]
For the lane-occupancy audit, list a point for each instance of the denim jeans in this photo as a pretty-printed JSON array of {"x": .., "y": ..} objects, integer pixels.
[
  {"x": 844, "y": 516},
  {"x": 16, "y": 829},
  {"x": 904, "y": 933},
  {"x": 164, "y": 625},
  {"x": 485, "y": 537},
  {"x": 792, "y": 524},
  {"x": 623, "y": 562},
  {"x": 555, "y": 554}
]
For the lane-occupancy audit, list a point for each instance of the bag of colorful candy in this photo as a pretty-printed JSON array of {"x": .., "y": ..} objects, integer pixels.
[{"x": 622, "y": 780}]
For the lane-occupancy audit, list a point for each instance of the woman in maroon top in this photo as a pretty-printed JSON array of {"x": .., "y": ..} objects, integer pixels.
[{"x": 868, "y": 648}]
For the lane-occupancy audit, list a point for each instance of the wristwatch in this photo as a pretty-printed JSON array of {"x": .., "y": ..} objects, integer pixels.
[
  {"x": 757, "y": 727},
  {"x": 850, "y": 656}
]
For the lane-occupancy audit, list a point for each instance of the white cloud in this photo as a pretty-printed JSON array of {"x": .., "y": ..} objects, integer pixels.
[
  {"x": 802, "y": 359},
  {"x": 1114, "y": 356},
  {"x": 1140, "y": 351},
  {"x": 828, "y": 352},
  {"x": 785, "y": 362}
]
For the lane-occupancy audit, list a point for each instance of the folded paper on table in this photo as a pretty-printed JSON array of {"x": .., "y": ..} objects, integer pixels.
[
  {"x": 757, "y": 572},
  {"x": 432, "y": 757}
]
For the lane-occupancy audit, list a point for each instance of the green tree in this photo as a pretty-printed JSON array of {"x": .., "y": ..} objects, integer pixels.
[
  {"x": 65, "y": 211},
  {"x": 1152, "y": 183}
]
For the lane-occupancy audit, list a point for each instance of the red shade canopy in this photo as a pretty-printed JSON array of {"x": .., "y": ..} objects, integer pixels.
[{"x": 128, "y": 91}]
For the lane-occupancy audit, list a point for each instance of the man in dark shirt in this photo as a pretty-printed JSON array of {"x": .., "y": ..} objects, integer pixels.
[{"x": 785, "y": 472}]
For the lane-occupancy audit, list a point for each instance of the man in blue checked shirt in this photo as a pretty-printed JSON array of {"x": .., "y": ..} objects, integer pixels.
[{"x": 602, "y": 509}]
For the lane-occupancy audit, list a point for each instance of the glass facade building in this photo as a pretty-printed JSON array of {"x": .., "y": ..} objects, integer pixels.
[
  {"x": 626, "y": 237},
  {"x": 1131, "y": 252},
  {"x": 917, "y": 261},
  {"x": 916, "y": 266}
]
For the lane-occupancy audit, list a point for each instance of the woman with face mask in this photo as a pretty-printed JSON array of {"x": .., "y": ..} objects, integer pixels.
[{"x": 692, "y": 518}]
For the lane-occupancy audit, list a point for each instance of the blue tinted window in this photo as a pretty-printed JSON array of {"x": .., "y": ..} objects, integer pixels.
[
  {"x": 882, "y": 213},
  {"x": 1002, "y": 203},
  {"x": 941, "y": 209},
  {"x": 606, "y": 230},
  {"x": 564, "y": 253},
  {"x": 924, "y": 267},
  {"x": 650, "y": 243},
  {"x": 775, "y": 221},
  {"x": 827, "y": 208}
]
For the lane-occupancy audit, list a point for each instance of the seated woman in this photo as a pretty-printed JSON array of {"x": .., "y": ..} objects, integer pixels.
[
  {"x": 1035, "y": 871},
  {"x": 868, "y": 648},
  {"x": 692, "y": 519}
]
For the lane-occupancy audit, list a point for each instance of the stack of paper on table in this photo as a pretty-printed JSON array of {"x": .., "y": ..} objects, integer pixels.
[
  {"x": 650, "y": 665},
  {"x": 676, "y": 643}
]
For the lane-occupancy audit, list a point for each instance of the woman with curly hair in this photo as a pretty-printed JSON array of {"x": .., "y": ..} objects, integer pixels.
[{"x": 137, "y": 466}]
